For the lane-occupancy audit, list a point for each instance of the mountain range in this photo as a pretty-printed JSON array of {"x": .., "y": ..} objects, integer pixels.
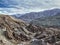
[
  {"x": 34, "y": 15},
  {"x": 51, "y": 21}
]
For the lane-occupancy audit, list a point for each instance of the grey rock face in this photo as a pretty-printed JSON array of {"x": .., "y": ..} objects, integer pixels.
[{"x": 38, "y": 42}]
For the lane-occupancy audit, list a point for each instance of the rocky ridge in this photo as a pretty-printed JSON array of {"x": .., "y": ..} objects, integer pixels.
[{"x": 16, "y": 32}]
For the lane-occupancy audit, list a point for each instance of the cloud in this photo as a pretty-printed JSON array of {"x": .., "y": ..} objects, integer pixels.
[
  {"x": 11, "y": 11},
  {"x": 25, "y": 6}
]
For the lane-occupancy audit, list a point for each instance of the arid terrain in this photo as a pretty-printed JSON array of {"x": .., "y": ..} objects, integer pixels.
[{"x": 16, "y": 32}]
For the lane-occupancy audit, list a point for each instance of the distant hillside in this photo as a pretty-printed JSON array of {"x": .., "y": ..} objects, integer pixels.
[
  {"x": 34, "y": 15},
  {"x": 48, "y": 21},
  {"x": 17, "y": 15}
]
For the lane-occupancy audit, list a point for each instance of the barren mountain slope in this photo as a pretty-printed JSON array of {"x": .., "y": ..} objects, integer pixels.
[{"x": 17, "y": 32}]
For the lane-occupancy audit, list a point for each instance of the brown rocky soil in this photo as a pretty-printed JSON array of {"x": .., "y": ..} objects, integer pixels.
[{"x": 16, "y": 32}]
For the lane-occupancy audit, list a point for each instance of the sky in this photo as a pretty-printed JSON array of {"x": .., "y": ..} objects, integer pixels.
[{"x": 25, "y": 6}]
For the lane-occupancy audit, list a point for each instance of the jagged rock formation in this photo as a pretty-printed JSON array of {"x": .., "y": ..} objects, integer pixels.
[
  {"x": 17, "y": 32},
  {"x": 14, "y": 28}
]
